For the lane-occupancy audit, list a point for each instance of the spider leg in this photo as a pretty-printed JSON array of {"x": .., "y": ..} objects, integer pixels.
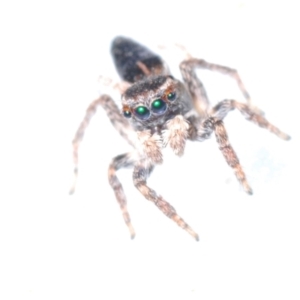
[
  {"x": 141, "y": 172},
  {"x": 215, "y": 123},
  {"x": 200, "y": 131},
  {"x": 219, "y": 112},
  {"x": 230, "y": 155},
  {"x": 224, "y": 107},
  {"x": 196, "y": 87},
  {"x": 118, "y": 162},
  {"x": 118, "y": 121}
]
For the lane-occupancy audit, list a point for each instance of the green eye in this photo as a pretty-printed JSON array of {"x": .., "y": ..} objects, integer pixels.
[
  {"x": 158, "y": 106},
  {"x": 127, "y": 114},
  {"x": 142, "y": 112},
  {"x": 171, "y": 96}
]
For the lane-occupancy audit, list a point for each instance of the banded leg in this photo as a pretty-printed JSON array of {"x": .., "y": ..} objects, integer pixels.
[
  {"x": 230, "y": 155},
  {"x": 196, "y": 87},
  {"x": 224, "y": 107},
  {"x": 215, "y": 123},
  {"x": 140, "y": 174},
  {"x": 118, "y": 121},
  {"x": 201, "y": 131},
  {"x": 118, "y": 162}
]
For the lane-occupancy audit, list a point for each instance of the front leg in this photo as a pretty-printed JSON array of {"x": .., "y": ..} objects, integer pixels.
[
  {"x": 218, "y": 113},
  {"x": 214, "y": 123},
  {"x": 117, "y": 120},
  {"x": 230, "y": 155},
  {"x": 141, "y": 172},
  {"x": 200, "y": 131}
]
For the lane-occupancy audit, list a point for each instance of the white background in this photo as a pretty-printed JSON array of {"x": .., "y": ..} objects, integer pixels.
[{"x": 56, "y": 246}]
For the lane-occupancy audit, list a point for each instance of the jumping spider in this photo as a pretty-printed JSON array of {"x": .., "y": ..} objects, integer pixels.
[{"x": 159, "y": 111}]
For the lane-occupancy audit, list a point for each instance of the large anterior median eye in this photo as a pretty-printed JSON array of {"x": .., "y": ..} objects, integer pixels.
[
  {"x": 142, "y": 112},
  {"x": 158, "y": 106}
]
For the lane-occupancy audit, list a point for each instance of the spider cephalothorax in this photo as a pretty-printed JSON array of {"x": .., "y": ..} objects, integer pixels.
[
  {"x": 153, "y": 101},
  {"x": 159, "y": 111}
]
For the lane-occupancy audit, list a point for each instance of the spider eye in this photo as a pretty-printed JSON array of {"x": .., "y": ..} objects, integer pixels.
[
  {"x": 127, "y": 114},
  {"x": 142, "y": 112},
  {"x": 158, "y": 106},
  {"x": 171, "y": 96}
]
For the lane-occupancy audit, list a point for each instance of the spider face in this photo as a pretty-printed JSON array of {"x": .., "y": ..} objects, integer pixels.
[{"x": 153, "y": 101}]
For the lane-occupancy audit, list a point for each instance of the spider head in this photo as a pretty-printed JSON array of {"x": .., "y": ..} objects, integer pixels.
[{"x": 153, "y": 101}]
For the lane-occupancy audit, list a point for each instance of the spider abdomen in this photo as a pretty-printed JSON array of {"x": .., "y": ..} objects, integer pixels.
[{"x": 135, "y": 62}]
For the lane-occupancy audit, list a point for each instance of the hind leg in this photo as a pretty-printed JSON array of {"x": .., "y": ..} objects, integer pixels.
[{"x": 196, "y": 88}]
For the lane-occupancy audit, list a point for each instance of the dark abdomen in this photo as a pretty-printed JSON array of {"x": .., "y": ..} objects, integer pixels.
[{"x": 134, "y": 61}]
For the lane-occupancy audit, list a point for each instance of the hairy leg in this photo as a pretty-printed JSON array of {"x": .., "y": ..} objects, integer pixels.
[
  {"x": 118, "y": 121},
  {"x": 200, "y": 131},
  {"x": 195, "y": 86},
  {"x": 224, "y": 107},
  {"x": 230, "y": 155},
  {"x": 140, "y": 174},
  {"x": 118, "y": 162},
  {"x": 214, "y": 123},
  {"x": 219, "y": 112}
]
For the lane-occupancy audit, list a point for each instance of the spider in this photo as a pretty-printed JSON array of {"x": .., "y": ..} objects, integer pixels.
[{"x": 160, "y": 111}]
